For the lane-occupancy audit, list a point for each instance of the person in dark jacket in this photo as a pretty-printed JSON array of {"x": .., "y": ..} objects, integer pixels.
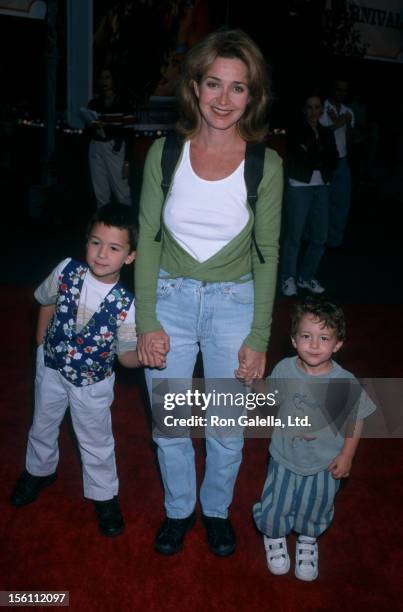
[{"x": 311, "y": 160}]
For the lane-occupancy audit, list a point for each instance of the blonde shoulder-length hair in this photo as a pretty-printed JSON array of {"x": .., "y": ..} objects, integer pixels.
[{"x": 231, "y": 44}]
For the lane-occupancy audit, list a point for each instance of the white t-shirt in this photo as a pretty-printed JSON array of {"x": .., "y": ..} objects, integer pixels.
[
  {"x": 93, "y": 292},
  {"x": 340, "y": 134},
  {"x": 203, "y": 216}
]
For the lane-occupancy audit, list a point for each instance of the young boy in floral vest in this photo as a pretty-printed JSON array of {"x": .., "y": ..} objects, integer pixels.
[{"x": 86, "y": 318}]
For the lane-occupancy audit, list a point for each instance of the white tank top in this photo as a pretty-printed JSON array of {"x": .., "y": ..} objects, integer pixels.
[{"x": 203, "y": 216}]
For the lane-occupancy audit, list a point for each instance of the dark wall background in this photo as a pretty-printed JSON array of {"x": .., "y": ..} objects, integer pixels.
[
  {"x": 291, "y": 36},
  {"x": 291, "y": 39}
]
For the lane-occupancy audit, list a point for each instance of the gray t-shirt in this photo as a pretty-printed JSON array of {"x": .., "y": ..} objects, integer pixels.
[{"x": 317, "y": 413}]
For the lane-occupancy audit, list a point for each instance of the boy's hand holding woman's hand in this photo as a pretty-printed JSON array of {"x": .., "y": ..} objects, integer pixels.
[
  {"x": 152, "y": 349},
  {"x": 252, "y": 364}
]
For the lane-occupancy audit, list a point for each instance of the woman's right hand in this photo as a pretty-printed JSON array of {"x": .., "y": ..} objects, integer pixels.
[{"x": 152, "y": 348}]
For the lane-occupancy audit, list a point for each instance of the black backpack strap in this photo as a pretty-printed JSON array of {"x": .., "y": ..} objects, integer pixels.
[
  {"x": 170, "y": 155},
  {"x": 253, "y": 173}
]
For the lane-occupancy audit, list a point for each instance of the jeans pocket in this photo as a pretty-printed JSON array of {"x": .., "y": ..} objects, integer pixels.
[
  {"x": 242, "y": 293},
  {"x": 165, "y": 287}
]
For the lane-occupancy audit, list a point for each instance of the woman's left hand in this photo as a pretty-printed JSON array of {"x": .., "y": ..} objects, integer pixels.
[{"x": 252, "y": 364}]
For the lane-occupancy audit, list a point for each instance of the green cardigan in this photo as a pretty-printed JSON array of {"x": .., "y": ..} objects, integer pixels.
[{"x": 236, "y": 259}]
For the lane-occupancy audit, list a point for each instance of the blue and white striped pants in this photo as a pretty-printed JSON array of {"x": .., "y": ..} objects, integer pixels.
[{"x": 293, "y": 502}]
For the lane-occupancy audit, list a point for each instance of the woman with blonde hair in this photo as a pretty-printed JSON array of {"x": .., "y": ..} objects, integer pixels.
[{"x": 210, "y": 281}]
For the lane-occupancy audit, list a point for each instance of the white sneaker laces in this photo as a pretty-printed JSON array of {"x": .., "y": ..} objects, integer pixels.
[
  {"x": 275, "y": 548},
  {"x": 307, "y": 552}
]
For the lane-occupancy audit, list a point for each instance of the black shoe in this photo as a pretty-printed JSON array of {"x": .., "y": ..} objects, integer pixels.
[
  {"x": 170, "y": 536},
  {"x": 220, "y": 535},
  {"x": 110, "y": 519},
  {"x": 28, "y": 487}
]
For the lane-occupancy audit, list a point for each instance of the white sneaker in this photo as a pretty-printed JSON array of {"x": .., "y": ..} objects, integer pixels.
[
  {"x": 277, "y": 557},
  {"x": 312, "y": 285},
  {"x": 288, "y": 287},
  {"x": 306, "y": 558}
]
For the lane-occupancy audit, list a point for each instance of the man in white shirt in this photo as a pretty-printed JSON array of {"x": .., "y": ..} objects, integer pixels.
[{"x": 340, "y": 119}]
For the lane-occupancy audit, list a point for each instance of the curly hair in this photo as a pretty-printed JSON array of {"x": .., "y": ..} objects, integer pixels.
[
  {"x": 327, "y": 313},
  {"x": 231, "y": 44}
]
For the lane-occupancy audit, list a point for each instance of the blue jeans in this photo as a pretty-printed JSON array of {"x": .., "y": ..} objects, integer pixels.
[
  {"x": 218, "y": 317},
  {"x": 305, "y": 205},
  {"x": 340, "y": 200}
]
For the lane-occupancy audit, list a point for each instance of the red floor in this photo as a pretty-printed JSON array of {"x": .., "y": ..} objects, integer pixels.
[{"x": 54, "y": 544}]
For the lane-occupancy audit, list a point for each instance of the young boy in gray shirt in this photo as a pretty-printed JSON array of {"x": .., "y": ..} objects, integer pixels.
[{"x": 322, "y": 408}]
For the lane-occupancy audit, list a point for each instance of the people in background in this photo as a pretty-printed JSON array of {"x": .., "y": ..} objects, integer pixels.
[
  {"x": 110, "y": 143},
  {"x": 311, "y": 161},
  {"x": 340, "y": 118}
]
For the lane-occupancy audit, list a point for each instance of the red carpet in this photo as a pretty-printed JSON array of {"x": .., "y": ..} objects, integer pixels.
[{"x": 53, "y": 544}]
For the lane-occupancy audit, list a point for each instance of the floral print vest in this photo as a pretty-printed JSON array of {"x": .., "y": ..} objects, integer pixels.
[{"x": 87, "y": 357}]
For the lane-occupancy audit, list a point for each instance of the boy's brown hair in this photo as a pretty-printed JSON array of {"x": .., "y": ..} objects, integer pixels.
[{"x": 328, "y": 313}]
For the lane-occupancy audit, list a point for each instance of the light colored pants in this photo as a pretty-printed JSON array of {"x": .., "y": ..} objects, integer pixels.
[
  {"x": 91, "y": 418},
  {"x": 106, "y": 166},
  {"x": 217, "y": 317}
]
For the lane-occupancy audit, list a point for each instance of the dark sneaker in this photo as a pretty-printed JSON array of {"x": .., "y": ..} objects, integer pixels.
[
  {"x": 171, "y": 534},
  {"x": 220, "y": 535},
  {"x": 28, "y": 487},
  {"x": 110, "y": 519}
]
